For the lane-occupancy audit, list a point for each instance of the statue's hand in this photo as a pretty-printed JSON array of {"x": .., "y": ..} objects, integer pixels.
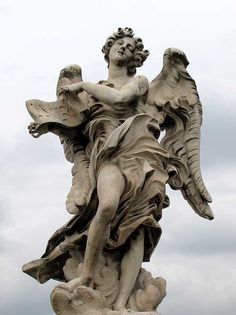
[
  {"x": 33, "y": 129},
  {"x": 73, "y": 88},
  {"x": 64, "y": 90}
]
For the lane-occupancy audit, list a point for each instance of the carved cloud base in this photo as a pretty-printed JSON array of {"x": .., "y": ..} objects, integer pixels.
[
  {"x": 73, "y": 299},
  {"x": 85, "y": 301}
]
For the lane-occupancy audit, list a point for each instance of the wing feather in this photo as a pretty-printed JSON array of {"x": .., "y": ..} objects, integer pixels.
[
  {"x": 74, "y": 151},
  {"x": 64, "y": 118},
  {"x": 174, "y": 93},
  {"x": 79, "y": 194}
]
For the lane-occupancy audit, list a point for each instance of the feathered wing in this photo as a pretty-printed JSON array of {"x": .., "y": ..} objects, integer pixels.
[
  {"x": 81, "y": 184},
  {"x": 73, "y": 148},
  {"x": 173, "y": 94},
  {"x": 64, "y": 117}
]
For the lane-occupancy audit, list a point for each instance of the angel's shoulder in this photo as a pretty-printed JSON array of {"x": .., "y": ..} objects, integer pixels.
[
  {"x": 142, "y": 83},
  {"x": 141, "y": 79}
]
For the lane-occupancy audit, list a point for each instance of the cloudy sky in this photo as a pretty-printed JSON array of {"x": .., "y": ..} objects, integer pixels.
[{"x": 38, "y": 38}]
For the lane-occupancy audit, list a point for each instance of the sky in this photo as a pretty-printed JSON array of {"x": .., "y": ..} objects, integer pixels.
[{"x": 197, "y": 257}]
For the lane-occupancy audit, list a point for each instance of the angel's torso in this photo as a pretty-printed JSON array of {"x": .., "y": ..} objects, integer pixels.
[{"x": 104, "y": 118}]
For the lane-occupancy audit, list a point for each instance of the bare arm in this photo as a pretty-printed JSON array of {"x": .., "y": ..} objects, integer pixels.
[
  {"x": 136, "y": 88},
  {"x": 108, "y": 95}
]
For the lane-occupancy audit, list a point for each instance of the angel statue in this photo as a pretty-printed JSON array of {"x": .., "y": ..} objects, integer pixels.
[{"x": 110, "y": 131}]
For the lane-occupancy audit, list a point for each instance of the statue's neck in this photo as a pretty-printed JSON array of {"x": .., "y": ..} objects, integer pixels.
[{"x": 118, "y": 75}]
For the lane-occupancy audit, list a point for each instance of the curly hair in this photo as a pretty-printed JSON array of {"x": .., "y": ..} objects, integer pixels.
[{"x": 140, "y": 55}]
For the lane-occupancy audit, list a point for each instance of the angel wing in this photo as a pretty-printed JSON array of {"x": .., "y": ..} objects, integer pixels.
[
  {"x": 65, "y": 117},
  {"x": 173, "y": 94}
]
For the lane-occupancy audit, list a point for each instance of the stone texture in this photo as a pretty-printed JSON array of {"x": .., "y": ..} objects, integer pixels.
[{"x": 110, "y": 132}]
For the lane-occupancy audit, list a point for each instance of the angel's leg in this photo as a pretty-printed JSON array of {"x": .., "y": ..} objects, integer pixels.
[
  {"x": 110, "y": 186},
  {"x": 130, "y": 267}
]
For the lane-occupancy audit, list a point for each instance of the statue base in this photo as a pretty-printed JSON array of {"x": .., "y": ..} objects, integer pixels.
[
  {"x": 85, "y": 301},
  {"x": 72, "y": 298}
]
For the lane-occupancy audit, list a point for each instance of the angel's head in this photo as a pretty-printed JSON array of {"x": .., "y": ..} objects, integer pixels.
[{"x": 125, "y": 49}]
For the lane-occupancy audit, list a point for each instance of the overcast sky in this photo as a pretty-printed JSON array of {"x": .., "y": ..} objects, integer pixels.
[{"x": 38, "y": 38}]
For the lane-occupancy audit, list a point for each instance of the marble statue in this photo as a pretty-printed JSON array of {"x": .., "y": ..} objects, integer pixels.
[{"x": 109, "y": 131}]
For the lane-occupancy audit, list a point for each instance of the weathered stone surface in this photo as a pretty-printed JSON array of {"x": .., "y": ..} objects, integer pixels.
[
  {"x": 110, "y": 132},
  {"x": 84, "y": 301}
]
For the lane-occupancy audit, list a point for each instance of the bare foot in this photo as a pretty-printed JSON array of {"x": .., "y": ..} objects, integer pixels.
[{"x": 74, "y": 283}]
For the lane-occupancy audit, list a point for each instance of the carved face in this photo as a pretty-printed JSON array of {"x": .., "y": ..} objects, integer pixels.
[{"x": 122, "y": 51}]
